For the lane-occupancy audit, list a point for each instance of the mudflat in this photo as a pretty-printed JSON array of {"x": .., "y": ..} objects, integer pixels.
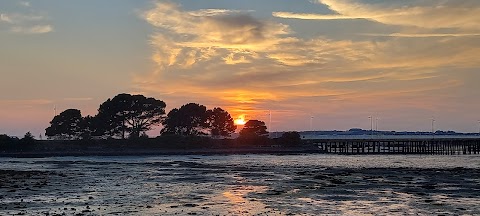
[{"x": 224, "y": 185}]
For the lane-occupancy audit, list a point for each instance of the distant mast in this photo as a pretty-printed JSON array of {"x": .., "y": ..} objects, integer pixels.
[
  {"x": 311, "y": 123},
  {"x": 433, "y": 127},
  {"x": 270, "y": 120}
]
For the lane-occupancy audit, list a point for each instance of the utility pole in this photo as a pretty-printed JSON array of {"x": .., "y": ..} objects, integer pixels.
[
  {"x": 371, "y": 125},
  {"x": 433, "y": 128},
  {"x": 270, "y": 121}
]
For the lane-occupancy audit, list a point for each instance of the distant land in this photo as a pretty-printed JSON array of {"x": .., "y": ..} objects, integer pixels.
[{"x": 357, "y": 133}]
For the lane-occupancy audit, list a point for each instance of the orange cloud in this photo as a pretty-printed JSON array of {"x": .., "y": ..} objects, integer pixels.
[
  {"x": 248, "y": 65},
  {"x": 425, "y": 14}
]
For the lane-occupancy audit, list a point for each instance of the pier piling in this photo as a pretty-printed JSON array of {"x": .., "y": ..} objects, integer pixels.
[{"x": 400, "y": 146}]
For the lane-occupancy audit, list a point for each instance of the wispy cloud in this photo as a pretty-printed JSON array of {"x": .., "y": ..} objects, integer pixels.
[
  {"x": 31, "y": 102},
  {"x": 309, "y": 16},
  {"x": 420, "y": 13},
  {"x": 26, "y": 23},
  {"x": 16, "y": 18},
  {"x": 217, "y": 12},
  {"x": 5, "y": 18},
  {"x": 244, "y": 63},
  {"x": 25, "y": 4},
  {"x": 420, "y": 35},
  {"x": 78, "y": 99},
  {"x": 38, "y": 29},
  {"x": 218, "y": 30}
]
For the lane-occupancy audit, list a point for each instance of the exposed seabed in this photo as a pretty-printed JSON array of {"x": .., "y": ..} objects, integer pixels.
[{"x": 200, "y": 187}]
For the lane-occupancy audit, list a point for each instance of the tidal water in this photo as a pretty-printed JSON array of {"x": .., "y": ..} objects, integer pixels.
[{"x": 241, "y": 185}]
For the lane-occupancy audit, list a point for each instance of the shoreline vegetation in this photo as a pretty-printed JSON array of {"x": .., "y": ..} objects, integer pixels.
[
  {"x": 162, "y": 145},
  {"x": 56, "y": 149},
  {"x": 194, "y": 145},
  {"x": 119, "y": 128},
  {"x": 157, "y": 152}
]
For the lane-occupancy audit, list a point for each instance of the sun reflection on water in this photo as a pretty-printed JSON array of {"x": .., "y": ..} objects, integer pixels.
[{"x": 240, "y": 204}]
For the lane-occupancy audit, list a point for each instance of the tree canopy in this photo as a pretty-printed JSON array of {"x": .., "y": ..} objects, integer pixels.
[
  {"x": 90, "y": 126},
  {"x": 66, "y": 125},
  {"x": 220, "y": 122},
  {"x": 194, "y": 119},
  {"x": 254, "y": 128},
  {"x": 190, "y": 119},
  {"x": 131, "y": 114}
]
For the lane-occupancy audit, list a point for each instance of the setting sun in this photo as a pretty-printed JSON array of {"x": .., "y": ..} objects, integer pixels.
[{"x": 240, "y": 120}]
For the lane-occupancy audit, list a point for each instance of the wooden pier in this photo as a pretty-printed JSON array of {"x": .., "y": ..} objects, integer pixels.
[{"x": 399, "y": 146}]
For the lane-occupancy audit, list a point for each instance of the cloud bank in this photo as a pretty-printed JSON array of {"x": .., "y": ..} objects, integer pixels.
[{"x": 233, "y": 59}]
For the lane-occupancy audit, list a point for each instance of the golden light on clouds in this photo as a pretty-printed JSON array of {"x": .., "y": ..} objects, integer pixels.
[
  {"x": 337, "y": 60},
  {"x": 247, "y": 64}
]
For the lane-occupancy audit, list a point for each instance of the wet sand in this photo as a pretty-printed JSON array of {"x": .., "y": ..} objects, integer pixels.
[{"x": 201, "y": 187}]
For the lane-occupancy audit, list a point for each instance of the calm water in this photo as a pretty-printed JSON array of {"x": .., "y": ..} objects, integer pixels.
[{"x": 242, "y": 185}]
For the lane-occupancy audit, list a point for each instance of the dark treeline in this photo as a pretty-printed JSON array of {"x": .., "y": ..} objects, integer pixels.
[
  {"x": 131, "y": 116},
  {"x": 27, "y": 143},
  {"x": 126, "y": 119}
]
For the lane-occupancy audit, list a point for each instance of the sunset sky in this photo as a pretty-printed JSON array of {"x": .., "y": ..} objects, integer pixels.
[{"x": 340, "y": 61}]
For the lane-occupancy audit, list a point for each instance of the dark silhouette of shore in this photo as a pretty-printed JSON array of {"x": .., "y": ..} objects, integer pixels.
[{"x": 163, "y": 145}]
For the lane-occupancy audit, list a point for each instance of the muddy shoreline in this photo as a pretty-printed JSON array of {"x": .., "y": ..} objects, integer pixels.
[{"x": 202, "y": 186}]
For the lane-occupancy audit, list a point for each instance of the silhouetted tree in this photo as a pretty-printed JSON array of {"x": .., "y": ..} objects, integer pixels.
[
  {"x": 66, "y": 125},
  {"x": 6, "y": 142},
  {"x": 28, "y": 136},
  {"x": 90, "y": 126},
  {"x": 189, "y": 120},
  {"x": 28, "y": 139},
  {"x": 220, "y": 122},
  {"x": 4, "y": 138},
  {"x": 130, "y": 113},
  {"x": 254, "y": 128},
  {"x": 14, "y": 144},
  {"x": 291, "y": 138}
]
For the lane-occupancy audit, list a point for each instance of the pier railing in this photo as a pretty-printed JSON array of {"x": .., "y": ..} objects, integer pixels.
[{"x": 399, "y": 146}]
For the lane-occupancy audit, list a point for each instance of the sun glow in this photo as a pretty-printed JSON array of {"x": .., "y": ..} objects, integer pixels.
[{"x": 240, "y": 120}]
